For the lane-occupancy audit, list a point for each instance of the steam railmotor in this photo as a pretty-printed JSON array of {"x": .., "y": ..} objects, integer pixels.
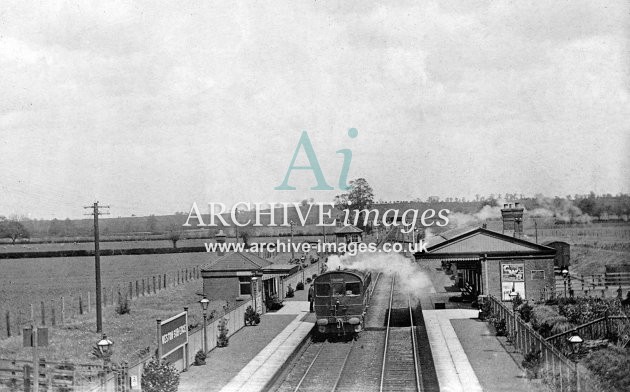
[{"x": 341, "y": 298}]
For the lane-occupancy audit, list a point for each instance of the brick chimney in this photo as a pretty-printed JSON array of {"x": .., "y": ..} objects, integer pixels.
[
  {"x": 220, "y": 239},
  {"x": 512, "y": 220}
]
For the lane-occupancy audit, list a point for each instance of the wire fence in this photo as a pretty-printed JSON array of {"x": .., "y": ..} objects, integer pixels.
[{"x": 58, "y": 311}]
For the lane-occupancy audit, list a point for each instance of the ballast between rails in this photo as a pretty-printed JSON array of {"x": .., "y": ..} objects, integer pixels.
[{"x": 386, "y": 352}]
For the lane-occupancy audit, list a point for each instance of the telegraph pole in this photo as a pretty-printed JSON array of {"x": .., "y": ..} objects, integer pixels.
[
  {"x": 292, "y": 251},
  {"x": 97, "y": 264}
]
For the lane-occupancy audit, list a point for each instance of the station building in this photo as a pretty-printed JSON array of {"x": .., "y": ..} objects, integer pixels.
[
  {"x": 240, "y": 276},
  {"x": 348, "y": 234},
  {"x": 486, "y": 262}
]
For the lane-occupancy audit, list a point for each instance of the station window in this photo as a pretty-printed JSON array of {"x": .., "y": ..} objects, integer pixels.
[
  {"x": 353, "y": 288},
  {"x": 245, "y": 285},
  {"x": 322, "y": 289}
]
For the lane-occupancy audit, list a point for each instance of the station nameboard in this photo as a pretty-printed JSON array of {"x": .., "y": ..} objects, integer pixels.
[{"x": 173, "y": 333}]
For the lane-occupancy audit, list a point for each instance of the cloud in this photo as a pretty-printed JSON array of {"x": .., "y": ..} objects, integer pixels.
[{"x": 488, "y": 94}]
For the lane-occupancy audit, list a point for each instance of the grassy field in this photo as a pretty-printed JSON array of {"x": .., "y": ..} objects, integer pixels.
[
  {"x": 133, "y": 334},
  {"x": 190, "y": 242},
  {"x": 33, "y": 280}
]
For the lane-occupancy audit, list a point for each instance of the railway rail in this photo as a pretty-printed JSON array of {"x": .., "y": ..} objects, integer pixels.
[
  {"x": 400, "y": 370},
  {"x": 382, "y": 359}
]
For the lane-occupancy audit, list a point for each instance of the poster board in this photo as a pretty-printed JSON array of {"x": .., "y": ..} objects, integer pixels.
[{"x": 512, "y": 279}]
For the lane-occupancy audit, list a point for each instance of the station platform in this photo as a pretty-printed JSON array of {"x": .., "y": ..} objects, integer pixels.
[{"x": 255, "y": 353}]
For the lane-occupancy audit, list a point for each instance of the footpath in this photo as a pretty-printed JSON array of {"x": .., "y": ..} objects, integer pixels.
[{"x": 254, "y": 353}]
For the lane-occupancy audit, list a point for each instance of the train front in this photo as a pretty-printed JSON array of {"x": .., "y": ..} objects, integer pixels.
[{"x": 340, "y": 301}]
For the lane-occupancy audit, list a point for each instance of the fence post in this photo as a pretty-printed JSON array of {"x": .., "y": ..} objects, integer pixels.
[
  {"x": 63, "y": 309},
  {"x": 80, "y": 304},
  {"x": 27, "y": 378},
  {"x": 130, "y": 291},
  {"x": 43, "y": 313},
  {"x": 577, "y": 378},
  {"x": 137, "y": 293},
  {"x": 89, "y": 302},
  {"x": 164, "y": 279},
  {"x": 154, "y": 285},
  {"x": 52, "y": 313},
  {"x": 8, "y": 324},
  {"x": 143, "y": 287}
]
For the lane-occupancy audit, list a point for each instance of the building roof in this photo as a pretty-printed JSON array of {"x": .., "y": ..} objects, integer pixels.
[
  {"x": 237, "y": 261},
  {"x": 477, "y": 240},
  {"x": 348, "y": 230}
]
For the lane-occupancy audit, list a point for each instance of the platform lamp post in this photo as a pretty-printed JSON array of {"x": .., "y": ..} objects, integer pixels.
[
  {"x": 204, "y": 306},
  {"x": 565, "y": 274},
  {"x": 105, "y": 347},
  {"x": 575, "y": 341}
]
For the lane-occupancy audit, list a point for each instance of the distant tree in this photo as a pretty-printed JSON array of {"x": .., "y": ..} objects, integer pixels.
[
  {"x": 68, "y": 227},
  {"x": 174, "y": 236},
  {"x": 13, "y": 230},
  {"x": 359, "y": 197},
  {"x": 152, "y": 224},
  {"x": 56, "y": 228}
]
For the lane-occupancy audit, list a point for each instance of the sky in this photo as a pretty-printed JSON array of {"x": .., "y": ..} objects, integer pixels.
[{"x": 150, "y": 106}]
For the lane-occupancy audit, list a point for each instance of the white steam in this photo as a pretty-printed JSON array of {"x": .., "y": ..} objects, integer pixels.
[
  {"x": 411, "y": 277},
  {"x": 559, "y": 208},
  {"x": 459, "y": 219}
]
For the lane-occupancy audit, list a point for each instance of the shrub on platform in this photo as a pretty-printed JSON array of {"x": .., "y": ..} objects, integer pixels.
[
  {"x": 159, "y": 377},
  {"x": 525, "y": 311},
  {"x": 610, "y": 366},
  {"x": 299, "y": 286},
  {"x": 532, "y": 363},
  {"x": 544, "y": 318},
  {"x": 200, "y": 358},
  {"x": 251, "y": 316},
  {"x": 290, "y": 292},
  {"x": 501, "y": 327},
  {"x": 222, "y": 338},
  {"x": 516, "y": 302}
]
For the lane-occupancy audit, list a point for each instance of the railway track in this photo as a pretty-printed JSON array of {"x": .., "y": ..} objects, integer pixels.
[
  {"x": 326, "y": 363},
  {"x": 400, "y": 370},
  {"x": 325, "y": 369},
  {"x": 384, "y": 358}
]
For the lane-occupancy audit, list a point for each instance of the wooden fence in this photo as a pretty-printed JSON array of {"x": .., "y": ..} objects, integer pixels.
[
  {"x": 18, "y": 375},
  {"x": 297, "y": 277},
  {"x": 560, "y": 371}
]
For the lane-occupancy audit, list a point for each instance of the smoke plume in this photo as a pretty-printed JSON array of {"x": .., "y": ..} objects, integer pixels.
[
  {"x": 459, "y": 219},
  {"x": 559, "y": 208},
  {"x": 411, "y": 278}
]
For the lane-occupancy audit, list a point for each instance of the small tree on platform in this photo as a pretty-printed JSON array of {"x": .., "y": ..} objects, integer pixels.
[
  {"x": 222, "y": 339},
  {"x": 159, "y": 377},
  {"x": 251, "y": 316}
]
